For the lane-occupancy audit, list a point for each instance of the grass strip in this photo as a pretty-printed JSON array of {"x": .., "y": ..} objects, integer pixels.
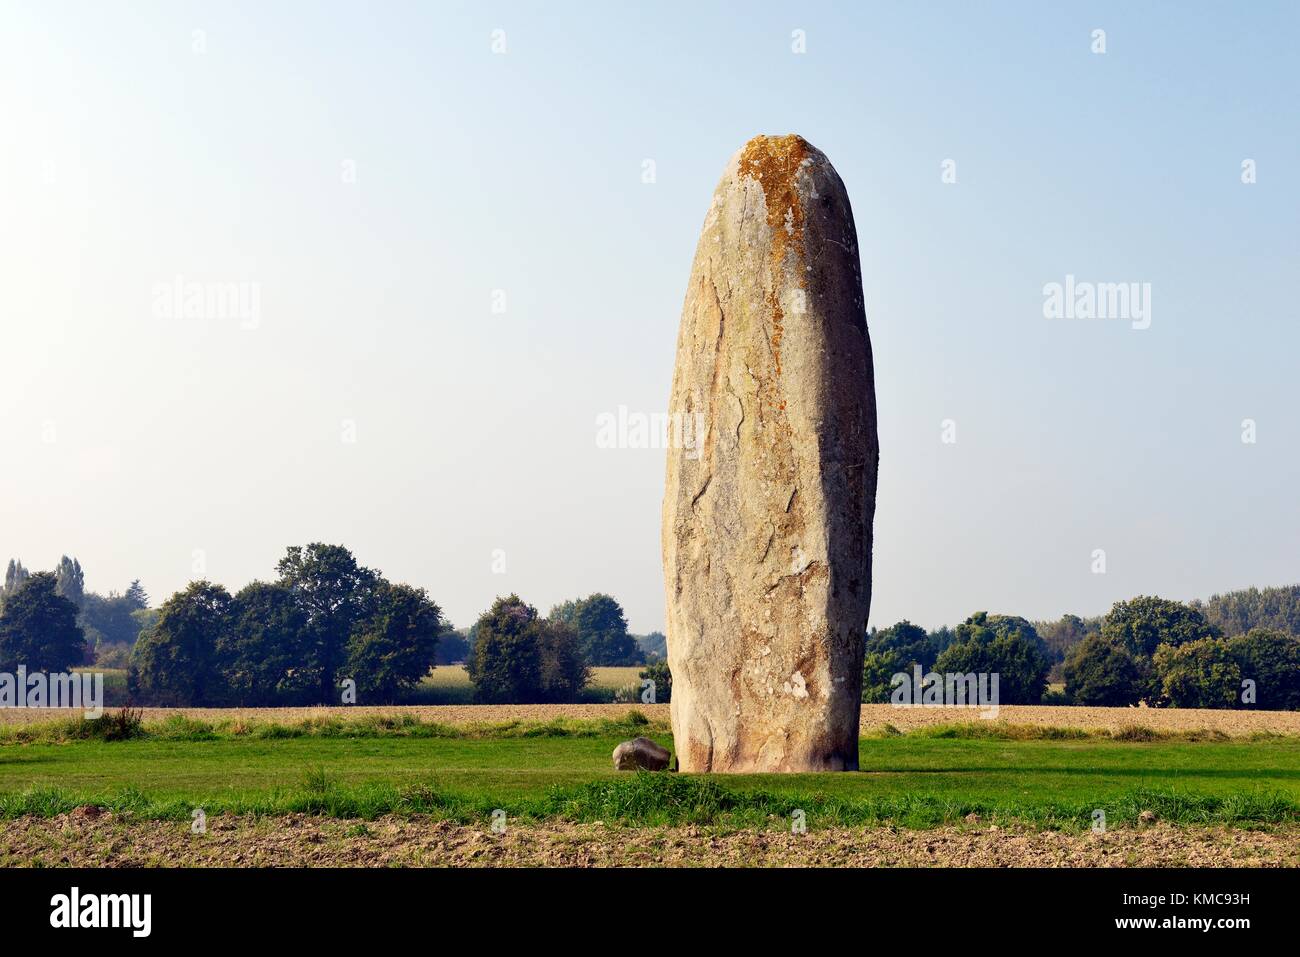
[
  {"x": 128, "y": 725},
  {"x": 645, "y": 799}
]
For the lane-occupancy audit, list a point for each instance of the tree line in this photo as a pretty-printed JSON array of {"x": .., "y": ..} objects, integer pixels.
[
  {"x": 328, "y": 625},
  {"x": 1148, "y": 650},
  {"x": 1005, "y": 645},
  {"x": 325, "y": 628}
]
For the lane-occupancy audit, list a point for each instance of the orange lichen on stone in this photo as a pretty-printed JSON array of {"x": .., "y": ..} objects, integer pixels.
[{"x": 774, "y": 162}]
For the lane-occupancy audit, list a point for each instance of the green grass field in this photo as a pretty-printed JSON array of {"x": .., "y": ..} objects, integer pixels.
[{"x": 563, "y": 770}]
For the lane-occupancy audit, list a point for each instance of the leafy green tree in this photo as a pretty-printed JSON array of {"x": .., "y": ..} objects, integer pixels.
[
  {"x": 981, "y": 626},
  {"x": 507, "y": 664},
  {"x": 146, "y": 618},
  {"x": 602, "y": 630},
  {"x": 336, "y": 594},
  {"x": 109, "y": 620},
  {"x": 1102, "y": 673},
  {"x": 38, "y": 628},
  {"x": 893, "y": 650},
  {"x": 392, "y": 649},
  {"x": 175, "y": 662},
  {"x": 1005, "y": 645},
  {"x": 1271, "y": 659},
  {"x": 566, "y": 611},
  {"x": 261, "y": 653},
  {"x": 453, "y": 646},
  {"x": 942, "y": 637},
  {"x": 1144, "y": 623},
  {"x": 564, "y": 672},
  {"x": 71, "y": 581},
  {"x": 1198, "y": 674},
  {"x": 520, "y": 658},
  {"x": 1064, "y": 634}
]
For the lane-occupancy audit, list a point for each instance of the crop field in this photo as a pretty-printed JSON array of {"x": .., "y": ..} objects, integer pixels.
[
  {"x": 875, "y": 717},
  {"x": 403, "y": 786},
  {"x": 444, "y": 685}
]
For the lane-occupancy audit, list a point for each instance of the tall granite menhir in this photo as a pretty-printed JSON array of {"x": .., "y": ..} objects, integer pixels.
[{"x": 767, "y": 520}]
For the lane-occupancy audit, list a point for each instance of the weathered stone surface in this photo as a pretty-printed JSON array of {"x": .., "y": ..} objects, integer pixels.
[
  {"x": 640, "y": 753},
  {"x": 767, "y": 521}
]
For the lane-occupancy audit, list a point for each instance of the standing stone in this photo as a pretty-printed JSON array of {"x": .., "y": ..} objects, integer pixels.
[{"x": 767, "y": 515}]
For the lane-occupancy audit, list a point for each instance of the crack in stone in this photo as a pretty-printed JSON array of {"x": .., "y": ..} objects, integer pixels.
[
  {"x": 707, "y": 479},
  {"x": 799, "y": 574}
]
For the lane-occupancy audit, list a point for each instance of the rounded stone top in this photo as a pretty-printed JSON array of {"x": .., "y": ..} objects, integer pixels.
[{"x": 774, "y": 160}]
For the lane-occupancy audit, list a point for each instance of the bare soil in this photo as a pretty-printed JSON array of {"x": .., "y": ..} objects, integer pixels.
[
  {"x": 93, "y": 838},
  {"x": 1231, "y": 723}
]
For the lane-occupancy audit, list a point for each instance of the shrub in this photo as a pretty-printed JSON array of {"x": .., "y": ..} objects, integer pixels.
[
  {"x": 115, "y": 656},
  {"x": 121, "y": 725},
  {"x": 659, "y": 672}
]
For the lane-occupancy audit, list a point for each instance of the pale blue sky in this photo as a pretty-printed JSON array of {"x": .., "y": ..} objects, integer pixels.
[{"x": 129, "y": 158}]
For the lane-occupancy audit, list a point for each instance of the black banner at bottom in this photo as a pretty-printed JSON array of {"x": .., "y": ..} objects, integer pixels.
[{"x": 213, "y": 907}]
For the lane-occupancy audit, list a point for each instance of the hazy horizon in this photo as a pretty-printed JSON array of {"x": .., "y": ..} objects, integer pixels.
[{"x": 430, "y": 256}]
